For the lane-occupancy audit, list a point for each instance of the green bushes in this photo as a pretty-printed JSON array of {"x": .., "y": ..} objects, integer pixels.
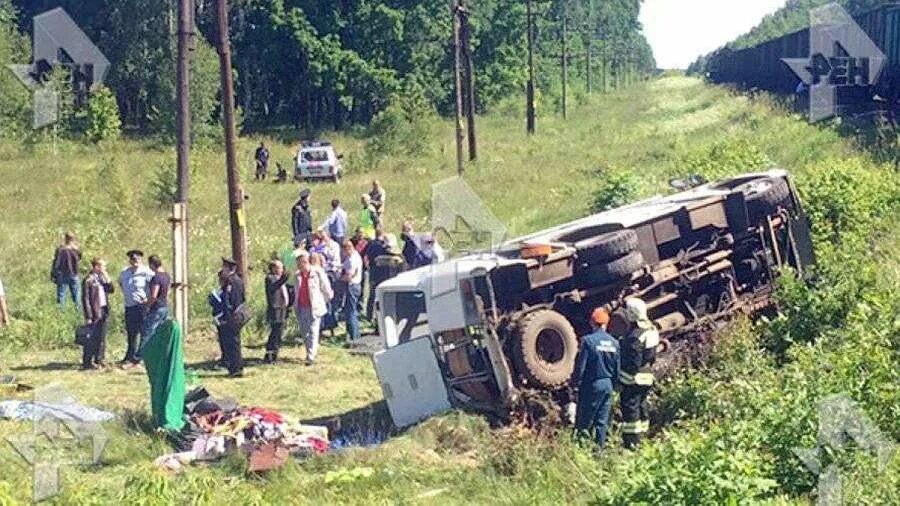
[
  {"x": 723, "y": 158},
  {"x": 688, "y": 467},
  {"x": 404, "y": 128},
  {"x": 102, "y": 116},
  {"x": 617, "y": 188},
  {"x": 845, "y": 198},
  {"x": 832, "y": 337}
]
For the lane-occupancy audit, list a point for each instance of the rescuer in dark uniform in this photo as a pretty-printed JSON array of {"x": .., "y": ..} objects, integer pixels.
[
  {"x": 301, "y": 220},
  {"x": 596, "y": 370},
  {"x": 638, "y": 355}
]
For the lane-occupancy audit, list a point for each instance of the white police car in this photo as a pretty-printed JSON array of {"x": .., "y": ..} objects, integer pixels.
[{"x": 318, "y": 160}]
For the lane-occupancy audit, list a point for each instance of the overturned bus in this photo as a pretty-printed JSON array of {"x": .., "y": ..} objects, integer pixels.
[{"x": 478, "y": 331}]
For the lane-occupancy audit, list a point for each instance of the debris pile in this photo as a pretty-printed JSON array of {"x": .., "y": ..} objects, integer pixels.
[{"x": 218, "y": 427}]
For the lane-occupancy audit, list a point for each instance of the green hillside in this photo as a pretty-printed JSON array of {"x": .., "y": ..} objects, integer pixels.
[{"x": 729, "y": 426}]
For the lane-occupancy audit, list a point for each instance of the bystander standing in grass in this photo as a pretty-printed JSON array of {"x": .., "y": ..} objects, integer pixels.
[
  {"x": 301, "y": 220},
  {"x": 361, "y": 244},
  {"x": 351, "y": 275},
  {"x": 313, "y": 294},
  {"x": 329, "y": 252},
  {"x": 410, "y": 243},
  {"x": 262, "y": 161},
  {"x": 134, "y": 280},
  {"x": 374, "y": 248},
  {"x": 378, "y": 197},
  {"x": 336, "y": 224},
  {"x": 157, "y": 299},
  {"x": 64, "y": 271},
  {"x": 233, "y": 299},
  {"x": 95, "y": 303},
  {"x": 216, "y": 302},
  {"x": 278, "y": 300}
]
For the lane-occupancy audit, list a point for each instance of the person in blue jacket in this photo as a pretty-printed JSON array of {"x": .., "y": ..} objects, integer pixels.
[{"x": 596, "y": 371}]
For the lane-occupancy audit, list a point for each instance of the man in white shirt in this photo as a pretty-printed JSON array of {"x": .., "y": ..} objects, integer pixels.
[
  {"x": 351, "y": 275},
  {"x": 336, "y": 225},
  {"x": 134, "y": 281}
]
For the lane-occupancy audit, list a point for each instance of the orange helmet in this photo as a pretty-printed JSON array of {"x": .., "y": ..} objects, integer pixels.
[{"x": 600, "y": 316}]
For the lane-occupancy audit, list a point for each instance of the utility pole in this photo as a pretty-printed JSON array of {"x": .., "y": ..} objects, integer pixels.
[
  {"x": 470, "y": 80},
  {"x": 529, "y": 92},
  {"x": 590, "y": 88},
  {"x": 457, "y": 76},
  {"x": 565, "y": 61},
  {"x": 179, "y": 220},
  {"x": 235, "y": 193}
]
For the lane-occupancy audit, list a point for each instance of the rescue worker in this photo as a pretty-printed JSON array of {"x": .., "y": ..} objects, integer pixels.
[
  {"x": 369, "y": 219},
  {"x": 596, "y": 371},
  {"x": 638, "y": 355}
]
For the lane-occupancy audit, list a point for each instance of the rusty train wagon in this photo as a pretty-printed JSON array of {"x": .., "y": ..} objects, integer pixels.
[{"x": 761, "y": 66}]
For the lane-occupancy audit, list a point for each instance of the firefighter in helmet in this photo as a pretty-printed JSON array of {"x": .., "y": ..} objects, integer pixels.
[{"x": 638, "y": 353}]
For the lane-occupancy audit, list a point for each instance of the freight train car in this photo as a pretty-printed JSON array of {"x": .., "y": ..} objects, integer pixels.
[{"x": 761, "y": 66}]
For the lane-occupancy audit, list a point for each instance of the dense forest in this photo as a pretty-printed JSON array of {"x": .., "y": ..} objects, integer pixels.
[
  {"x": 327, "y": 64},
  {"x": 790, "y": 18}
]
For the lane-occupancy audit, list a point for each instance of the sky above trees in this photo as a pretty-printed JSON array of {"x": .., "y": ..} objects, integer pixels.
[{"x": 681, "y": 30}]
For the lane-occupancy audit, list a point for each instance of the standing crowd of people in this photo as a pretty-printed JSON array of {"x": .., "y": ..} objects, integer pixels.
[
  {"x": 336, "y": 271},
  {"x": 334, "y": 277},
  {"x": 334, "y": 280},
  {"x": 145, "y": 290}
]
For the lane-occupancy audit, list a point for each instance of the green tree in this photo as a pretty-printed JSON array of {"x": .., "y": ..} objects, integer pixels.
[
  {"x": 15, "y": 99},
  {"x": 102, "y": 116}
]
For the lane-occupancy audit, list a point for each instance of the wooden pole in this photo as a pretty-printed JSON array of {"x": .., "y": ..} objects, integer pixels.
[
  {"x": 457, "y": 77},
  {"x": 185, "y": 29},
  {"x": 529, "y": 92},
  {"x": 565, "y": 63},
  {"x": 470, "y": 80},
  {"x": 590, "y": 88},
  {"x": 235, "y": 193}
]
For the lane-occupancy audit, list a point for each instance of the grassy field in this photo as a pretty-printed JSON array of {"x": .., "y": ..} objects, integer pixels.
[{"x": 108, "y": 196}]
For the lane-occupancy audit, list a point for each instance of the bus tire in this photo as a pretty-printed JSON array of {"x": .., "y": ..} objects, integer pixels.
[
  {"x": 545, "y": 348},
  {"x": 607, "y": 246}
]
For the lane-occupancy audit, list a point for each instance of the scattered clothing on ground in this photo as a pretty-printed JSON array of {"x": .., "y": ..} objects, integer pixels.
[{"x": 266, "y": 437}]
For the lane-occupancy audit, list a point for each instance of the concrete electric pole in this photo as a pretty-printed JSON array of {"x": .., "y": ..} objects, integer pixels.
[
  {"x": 235, "y": 193},
  {"x": 185, "y": 30}
]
